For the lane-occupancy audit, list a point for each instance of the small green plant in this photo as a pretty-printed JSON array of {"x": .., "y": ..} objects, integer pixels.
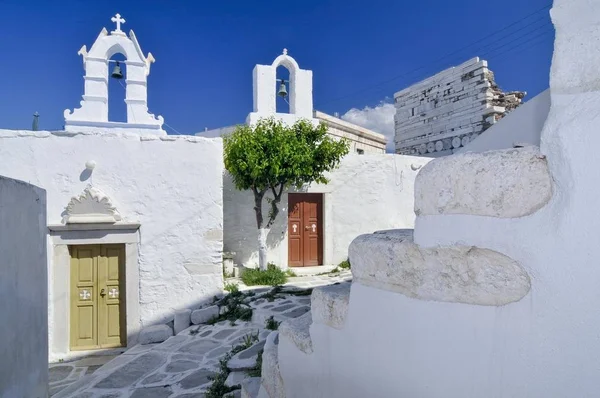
[
  {"x": 249, "y": 339},
  {"x": 290, "y": 273},
  {"x": 272, "y": 324},
  {"x": 335, "y": 270},
  {"x": 272, "y": 276},
  {"x": 345, "y": 264},
  {"x": 235, "y": 308},
  {"x": 231, "y": 287}
]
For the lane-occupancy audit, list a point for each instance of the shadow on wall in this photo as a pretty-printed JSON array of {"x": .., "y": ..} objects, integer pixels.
[{"x": 239, "y": 224}]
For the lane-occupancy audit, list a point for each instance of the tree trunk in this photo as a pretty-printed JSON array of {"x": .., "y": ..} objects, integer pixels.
[{"x": 262, "y": 247}]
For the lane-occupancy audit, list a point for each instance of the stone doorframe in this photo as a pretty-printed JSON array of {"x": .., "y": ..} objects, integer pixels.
[{"x": 59, "y": 263}]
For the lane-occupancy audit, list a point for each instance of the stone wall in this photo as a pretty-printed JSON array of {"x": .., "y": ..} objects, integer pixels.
[
  {"x": 368, "y": 192},
  {"x": 443, "y": 113},
  {"x": 170, "y": 185},
  {"x": 23, "y": 291}
]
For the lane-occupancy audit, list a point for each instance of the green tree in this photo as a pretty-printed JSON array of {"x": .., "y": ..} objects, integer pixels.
[{"x": 272, "y": 157}]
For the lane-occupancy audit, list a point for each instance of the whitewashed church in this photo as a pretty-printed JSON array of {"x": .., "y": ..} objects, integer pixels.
[{"x": 138, "y": 220}]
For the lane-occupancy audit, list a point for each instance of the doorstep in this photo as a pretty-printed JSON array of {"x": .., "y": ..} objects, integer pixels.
[{"x": 310, "y": 271}]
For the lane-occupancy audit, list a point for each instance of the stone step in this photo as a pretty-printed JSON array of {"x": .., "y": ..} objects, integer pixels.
[
  {"x": 298, "y": 332},
  {"x": 506, "y": 183},
  {"x": 329, "y": 304},
  {"x": 250, "y": 387},
  {"x": 390, "y": 260}
]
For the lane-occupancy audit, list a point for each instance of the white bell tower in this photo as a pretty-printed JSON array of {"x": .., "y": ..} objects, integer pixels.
[
  {"x": 93, "y": 113},
  {"x": 264, "y": 88}
]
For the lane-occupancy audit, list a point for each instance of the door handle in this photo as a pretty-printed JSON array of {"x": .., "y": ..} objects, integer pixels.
[
  {"x": 102, "y": 293},
  {"x": 306, "y": 228}
]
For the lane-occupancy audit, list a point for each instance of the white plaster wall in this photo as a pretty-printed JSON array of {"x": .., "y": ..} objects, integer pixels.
[
  {"x": 545, "y": 345},
  {"x": 23, "y": 291},
  {"x": 171, "y": 185},
  {"x": 522, "y": 126},
  {"x": 367, "y": 193}
]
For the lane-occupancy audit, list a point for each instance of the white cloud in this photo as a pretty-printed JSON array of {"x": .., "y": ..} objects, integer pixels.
[{"x": 379, "y": 119}]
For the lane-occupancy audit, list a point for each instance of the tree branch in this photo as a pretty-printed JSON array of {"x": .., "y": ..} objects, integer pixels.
[{"x": 274, "y": 203}]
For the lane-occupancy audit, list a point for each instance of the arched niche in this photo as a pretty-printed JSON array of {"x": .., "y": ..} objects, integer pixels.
[{"x": 93, "y": 113}]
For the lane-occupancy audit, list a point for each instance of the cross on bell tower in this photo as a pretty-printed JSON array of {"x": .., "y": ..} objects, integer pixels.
[{"x": 118, "y": 20}]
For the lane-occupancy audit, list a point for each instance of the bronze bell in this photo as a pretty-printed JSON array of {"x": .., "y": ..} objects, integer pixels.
[
  {"x": 282, "y": 90},
  {"x": 116, "y": 73}
]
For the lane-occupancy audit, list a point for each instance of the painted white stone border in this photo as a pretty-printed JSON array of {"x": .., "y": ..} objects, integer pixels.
[
  {"x": 60, "y": 237},
  {"x": 391, "y": 261},
  {"x": 506, "y": 183}
]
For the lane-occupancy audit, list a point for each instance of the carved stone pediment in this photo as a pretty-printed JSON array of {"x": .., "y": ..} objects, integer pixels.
[{"x": 91, "y": 206}]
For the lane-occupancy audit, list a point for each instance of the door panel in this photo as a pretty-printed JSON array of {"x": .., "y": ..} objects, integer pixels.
[
  {"x": 305, "y": 230},
  {"x": 84, "y": 300},
  {"x": 112, "y": 258},
  {"x": 97, "y": 319},
  {"x": 295, "y": 249}
]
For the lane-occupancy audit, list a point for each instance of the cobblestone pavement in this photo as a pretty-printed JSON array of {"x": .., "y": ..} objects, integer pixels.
[{"x": 183, "y": 365}]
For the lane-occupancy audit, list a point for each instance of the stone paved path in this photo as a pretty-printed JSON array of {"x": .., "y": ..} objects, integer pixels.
[{"x": 182, "y": 365}]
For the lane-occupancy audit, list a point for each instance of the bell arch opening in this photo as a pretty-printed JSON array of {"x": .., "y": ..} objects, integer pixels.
[
  {"x": 117, "y": 73},
  {"x": 283, "y": 89}
]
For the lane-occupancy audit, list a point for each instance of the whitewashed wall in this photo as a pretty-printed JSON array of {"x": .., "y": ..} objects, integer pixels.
[
  {"x": 367, "y": 193},
  {"x": 23, "y": 291},
  {"x": 522, "y": 126},
  {"x": 171, "y": 185},
  {"x": 392, "y": 342}
]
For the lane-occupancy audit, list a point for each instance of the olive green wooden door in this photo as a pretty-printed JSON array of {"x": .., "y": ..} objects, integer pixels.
[{"x": 97, "y": 296}]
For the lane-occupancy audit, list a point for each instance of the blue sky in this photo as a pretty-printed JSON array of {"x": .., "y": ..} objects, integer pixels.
[{"x": 361, "y": 52}]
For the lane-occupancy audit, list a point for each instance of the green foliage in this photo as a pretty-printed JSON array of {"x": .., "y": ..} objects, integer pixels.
[
  {"x": 272, "y": 324},
  {"x": 272, "y": 276},
  {"x": 232, "y": 287},
  {"x": 290, "y": 273},
  {"x": 344, "y": 264},
  {"x": 218, "y": 388},
  {"x": 270, "y": 153},
  {"x": 235, "y": 308},
  {"x": 256, "y": 370},
  {"x": 249, "y": 340}
]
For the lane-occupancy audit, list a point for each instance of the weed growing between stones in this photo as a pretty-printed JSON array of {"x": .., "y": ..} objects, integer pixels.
[
  {"x": 345, "y": 264},
  {"x": 231, "y": 287},
  {"x": 272, "y": 324},
  {"x": 218, "y": 388},
  {"x": 272, "y": 276},
  {"x": 235, "y": 308},
  {"x": 256, "y": 370},
  {"x": 290, "y": 273}
]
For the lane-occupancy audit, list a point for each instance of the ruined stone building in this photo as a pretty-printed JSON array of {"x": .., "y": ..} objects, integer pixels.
[{"x": 445, "y": 112}]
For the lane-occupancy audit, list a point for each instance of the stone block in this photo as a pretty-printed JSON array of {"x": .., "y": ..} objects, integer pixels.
[
  {"x": 272, "y": 381},
  {"x": 236, "y": 378},
  {"x": 203, "y": 315},
  {"x": 297, "y": 330},
  {"x": 329, "y": 305},
  {"x": 154, "y": 334},
  {"x": 390, "y": 260},
  {"x": 250, "y": 387},
  {"x": 505, "y": 184},
  {"x": 182, "y": 320},
  {"x": 245, "y": 359}
]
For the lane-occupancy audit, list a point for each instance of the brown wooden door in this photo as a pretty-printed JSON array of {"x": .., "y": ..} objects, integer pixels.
[{"x": 305, "y": 229}]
